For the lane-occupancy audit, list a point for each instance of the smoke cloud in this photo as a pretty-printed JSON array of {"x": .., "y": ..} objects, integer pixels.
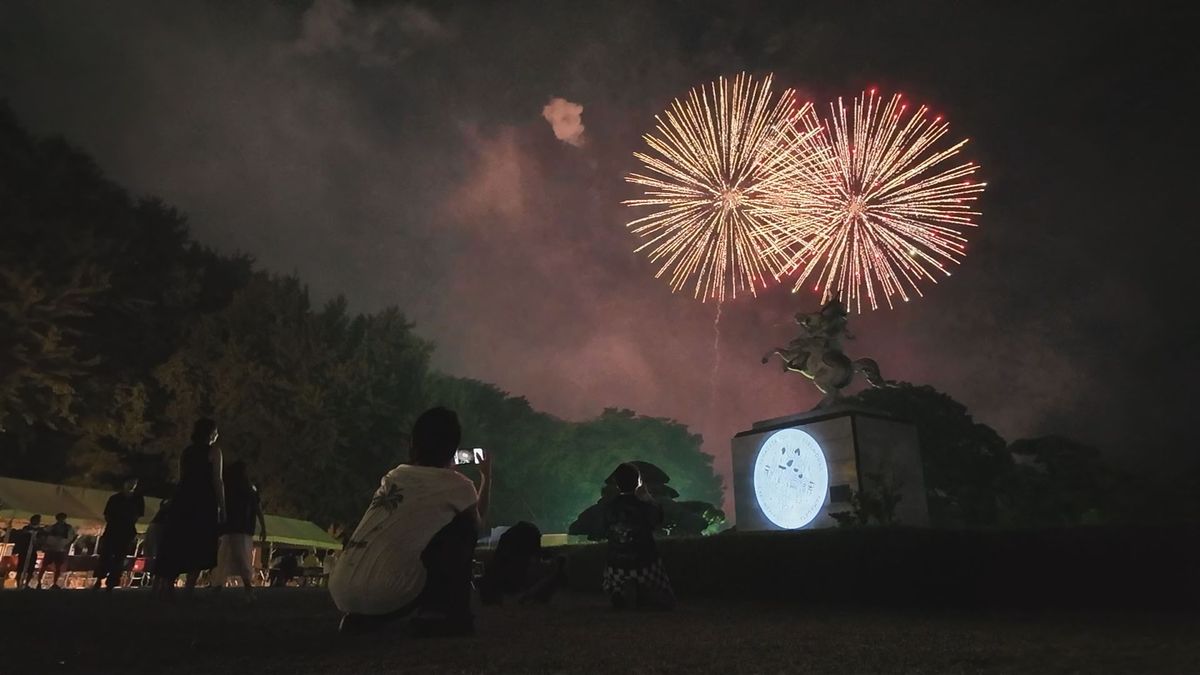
[
  {"x": 379, "y": 36},
  {"x": 566, "y": 119}
]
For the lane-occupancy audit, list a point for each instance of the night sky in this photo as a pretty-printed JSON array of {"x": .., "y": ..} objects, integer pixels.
[{"x": 398, "y": 153}]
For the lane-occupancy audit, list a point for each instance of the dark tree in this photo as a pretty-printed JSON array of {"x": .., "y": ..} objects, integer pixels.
[
  {"x": 966, "y": 462},
  {"x": 1057, "y": 481}
]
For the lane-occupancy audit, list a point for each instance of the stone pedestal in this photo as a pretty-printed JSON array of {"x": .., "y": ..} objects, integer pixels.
[{"x": 792, "y": 472}]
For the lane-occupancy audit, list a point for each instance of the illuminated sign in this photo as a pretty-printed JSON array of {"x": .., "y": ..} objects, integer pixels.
[{"x": 791, "y": 478}]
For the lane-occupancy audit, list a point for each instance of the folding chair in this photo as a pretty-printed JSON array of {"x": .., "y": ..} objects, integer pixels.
[{"x": 137, "y": 573}]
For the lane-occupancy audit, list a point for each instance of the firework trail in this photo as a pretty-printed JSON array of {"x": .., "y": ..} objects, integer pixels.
[{"x": 716, "y": 369}]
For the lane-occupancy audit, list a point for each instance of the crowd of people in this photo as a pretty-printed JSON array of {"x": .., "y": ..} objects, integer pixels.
[
  {"x": 208, "y": 525},
  {"x": 53, "y": 542},
  {"x": 411, "y": 557}
]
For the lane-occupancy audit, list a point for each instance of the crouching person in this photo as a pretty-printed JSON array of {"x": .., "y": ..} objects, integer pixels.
[
  {"x": 634, "y": 576},
  {"x": 521, "y": 569},
  {"x": 411, "y": 554}
]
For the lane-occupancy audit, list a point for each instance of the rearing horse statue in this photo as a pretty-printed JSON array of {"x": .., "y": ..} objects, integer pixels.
[{"x": 817, "y": 354}]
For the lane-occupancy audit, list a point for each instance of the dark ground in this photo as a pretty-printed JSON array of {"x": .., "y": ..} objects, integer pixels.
[{"x": 292, "y": 631}]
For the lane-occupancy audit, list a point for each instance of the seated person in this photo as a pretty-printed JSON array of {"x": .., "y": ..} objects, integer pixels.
[
  {"x": 634, "y": 575},
  {"x": 286, "y": 568},
  {"x": 411, "y": 552},
  {"x": 518, "y": 567}
]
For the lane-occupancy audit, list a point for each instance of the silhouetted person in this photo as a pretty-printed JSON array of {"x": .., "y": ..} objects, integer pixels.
[
  {"x": 55, "y": 548},
  {"x": 235, "y": 557},
  {"x": 189, "y": 543},
  {"x": 519, "y": 568},
  {"x": 411, "y": 552},
  {"x": 286, "y": 568},
  {"x": 25, "y": 543},
  {"x": 121, "y": 514},
  {"x": 152, "y": 543},
  {"x": 634, "y": 575}
]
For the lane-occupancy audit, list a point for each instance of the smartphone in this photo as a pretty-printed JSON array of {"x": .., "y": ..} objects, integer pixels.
[{"x": 472, "y": 456}]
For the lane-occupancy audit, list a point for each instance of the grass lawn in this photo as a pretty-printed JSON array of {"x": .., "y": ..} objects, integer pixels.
[{"x": 293, "y": 631}]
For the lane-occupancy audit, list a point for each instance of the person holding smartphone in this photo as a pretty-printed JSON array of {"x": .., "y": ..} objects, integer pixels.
[
  {"x": 411, "y": 554},
  {"x": 634, "y": 576}
]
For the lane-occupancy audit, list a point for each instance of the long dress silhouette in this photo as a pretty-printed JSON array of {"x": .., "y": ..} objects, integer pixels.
[{"x": 192, "y": 528}]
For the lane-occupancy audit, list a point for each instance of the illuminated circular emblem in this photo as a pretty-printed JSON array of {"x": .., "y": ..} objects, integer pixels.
[{"x": 791, "y": 478}]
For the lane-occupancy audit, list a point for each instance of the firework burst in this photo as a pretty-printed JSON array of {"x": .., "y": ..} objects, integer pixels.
[
  {"x": 722, "y": 177},
  {"x": 883, "y": 209}
]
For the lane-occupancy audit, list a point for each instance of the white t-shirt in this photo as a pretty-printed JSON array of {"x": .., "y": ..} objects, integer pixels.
[{"x": 380, "y": 570}]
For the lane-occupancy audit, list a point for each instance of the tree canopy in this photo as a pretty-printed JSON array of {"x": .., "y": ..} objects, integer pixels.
[
  {"x": 117, "y": 331},
  {"x": 973, "y": 478}
]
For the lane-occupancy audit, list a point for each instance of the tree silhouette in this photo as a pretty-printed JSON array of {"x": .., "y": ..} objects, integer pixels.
[{"x": 966, "y": 462}]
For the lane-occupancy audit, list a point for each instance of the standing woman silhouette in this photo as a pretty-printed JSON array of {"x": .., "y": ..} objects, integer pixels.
[{"x": 197, "y": 510}]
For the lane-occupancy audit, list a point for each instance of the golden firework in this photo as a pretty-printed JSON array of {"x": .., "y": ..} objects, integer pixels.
[{"x": 724, "y": 181}]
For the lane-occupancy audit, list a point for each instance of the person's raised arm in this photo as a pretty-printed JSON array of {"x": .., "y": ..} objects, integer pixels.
[
  {"x": 218, "y": 469},
  {"x": 485, "y": 491},
  {"x": 262, "y": 520}
]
